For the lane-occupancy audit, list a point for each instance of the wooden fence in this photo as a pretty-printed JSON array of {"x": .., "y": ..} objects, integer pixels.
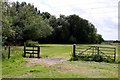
[
  {"x": 106, "y": 52},
  {"x": 9, "y": 51},
  {"x": 32, "y": 50},
  {"x": 13, "y": 51}
]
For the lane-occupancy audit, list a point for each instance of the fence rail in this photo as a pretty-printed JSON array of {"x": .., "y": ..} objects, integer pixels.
[
  {"x": 11, "y": 51},
  {"x": 32, "y": 50},
  {"x": 106, "y": 52}
]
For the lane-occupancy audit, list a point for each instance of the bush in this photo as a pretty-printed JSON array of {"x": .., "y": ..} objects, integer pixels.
[
  {"x": 31, "y": 43},
  {"x": 97, "y": 58},
  {"x": 73, "y": 59},
  {"x": 3, "y": 55}
]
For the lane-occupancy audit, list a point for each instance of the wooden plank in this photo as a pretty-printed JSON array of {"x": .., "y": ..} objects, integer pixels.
[
  {"x": 30, "y": 50},
  {"x": 31, "y": 53},
  {"x": 33, "y": 46}
]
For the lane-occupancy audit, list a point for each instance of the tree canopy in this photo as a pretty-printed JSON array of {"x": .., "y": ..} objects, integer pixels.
[{"x": 23, "y": 21}]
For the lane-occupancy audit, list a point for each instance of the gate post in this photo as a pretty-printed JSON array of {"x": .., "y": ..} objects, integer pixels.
[
  {"x": 74, "y": 46},
  {"x": 24, "y": 50},
  {"x": 8, "y": 52},
  {"x": 98, "y": 50},
  {"x": 93, "y": 48},
  {"x": 5, "y": 48},
  {"x": 38, "y": 51}
]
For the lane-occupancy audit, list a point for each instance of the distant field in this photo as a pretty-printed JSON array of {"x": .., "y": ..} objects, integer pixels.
[
  {"x": 57, "y": 51},
  {"x": 19, "y": 67}
]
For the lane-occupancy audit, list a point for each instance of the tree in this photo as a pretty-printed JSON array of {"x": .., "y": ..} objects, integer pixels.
[
  {"x": 72, "y": 29},
  {"x": 62, "y": 30},
  {"x": 7, "y": 31},
  {"x": 36, "y": 28},
  {"x": 45, "y": 15},
  {"x": 81, "y": 30},
  {"x": 99, "y": 38},
  {"x": 22, "y": 22}
]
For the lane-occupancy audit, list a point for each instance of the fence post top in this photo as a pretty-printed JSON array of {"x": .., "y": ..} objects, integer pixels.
[
  {"x": 74, "y": 44},
  {"x": 24, "y": 44}
]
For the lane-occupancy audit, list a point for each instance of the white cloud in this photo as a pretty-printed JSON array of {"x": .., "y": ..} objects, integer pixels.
[{"x": 102, "y": 13}]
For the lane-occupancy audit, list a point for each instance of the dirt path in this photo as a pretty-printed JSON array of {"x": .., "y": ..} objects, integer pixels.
[{"x": 50, "y": 61}]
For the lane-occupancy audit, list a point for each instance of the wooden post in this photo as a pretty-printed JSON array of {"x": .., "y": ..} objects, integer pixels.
[
  {"x": 5, "y": 48},
  {"x": 74, "y": 46},
  {"x": 38, "y": 52},
  {"x": 114, "y": 54},
  {"x": 33, "y": 52},
  {"x": 24, "y": 50},
  {"x": 98, "y": 50},
  {"x": 93, "y": 50},
  {"x": 8, "y": 52}
]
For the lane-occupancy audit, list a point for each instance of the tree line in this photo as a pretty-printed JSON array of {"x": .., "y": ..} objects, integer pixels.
[{"x": 23, "y": 21}]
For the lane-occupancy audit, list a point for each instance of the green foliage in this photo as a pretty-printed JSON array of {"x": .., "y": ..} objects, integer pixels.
[
  {"x": 3, "y": 55},
  {"x": 22, "y": 22},
  {"x": 32, "y": 43},
  {"x": 7, "y": 30},
  {"x": 36, "y": 28},
  {"x": 73, "y": 59},
  {"x": 72, "y": 39},
  {"x": 97, "y": 58},
  {"x": 72, "y": 29}
]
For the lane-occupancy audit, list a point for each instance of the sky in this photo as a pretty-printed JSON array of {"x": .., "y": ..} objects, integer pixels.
[{"x": 101, "y": 13}]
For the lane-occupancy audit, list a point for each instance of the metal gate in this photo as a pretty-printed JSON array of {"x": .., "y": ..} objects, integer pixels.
[{"x": 107, "y": 53}]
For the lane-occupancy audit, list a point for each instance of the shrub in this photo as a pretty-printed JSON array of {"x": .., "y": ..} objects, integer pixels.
[
  {"x": 31, "y": 43},
  {"x": 73, "y": 59},
  {"x": 3, "y": 55},
  {"x": 97, "y": 58}
]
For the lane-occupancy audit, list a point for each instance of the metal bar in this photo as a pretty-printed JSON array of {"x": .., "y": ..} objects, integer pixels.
[
  {"x": 103, "y": 47},
  {"x": 85, "y": 50}
]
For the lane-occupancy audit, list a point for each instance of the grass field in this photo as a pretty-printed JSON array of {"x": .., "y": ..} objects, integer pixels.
[{"x": 19, "y": 67}]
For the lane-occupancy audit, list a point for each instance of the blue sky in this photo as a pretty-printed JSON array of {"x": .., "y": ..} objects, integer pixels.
[{"x": 102, "y": 13}]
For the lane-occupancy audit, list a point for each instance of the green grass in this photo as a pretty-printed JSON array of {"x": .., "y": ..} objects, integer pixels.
[
  {"x": 19, "y": 67},
  {"x": 57, "y": 51}
]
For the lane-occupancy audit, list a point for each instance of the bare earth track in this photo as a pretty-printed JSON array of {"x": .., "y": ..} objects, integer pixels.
[{"x": 49, "y": 61}]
